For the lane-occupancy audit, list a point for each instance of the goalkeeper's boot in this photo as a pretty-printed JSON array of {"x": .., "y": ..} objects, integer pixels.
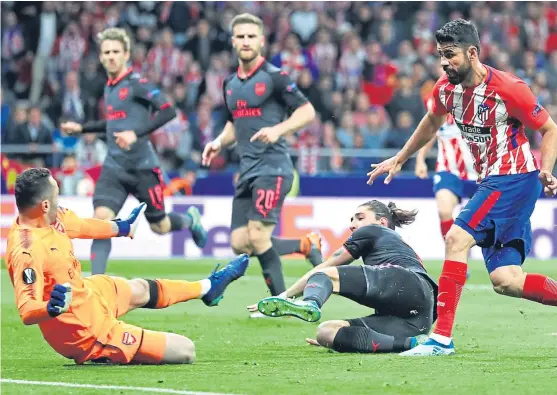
[
  {"x": 198, "y": 232},
  {"x": 274, "y": 306},
  {"x": 430, "y": 348},
  {"x": 314, "y": 255},
  {"x": 222, "y": 278}
]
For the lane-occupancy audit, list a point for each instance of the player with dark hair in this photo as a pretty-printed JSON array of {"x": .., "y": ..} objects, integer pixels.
[
  {"x": 263, "y": 106},
  {"x": 78, "y": 316},
  {"x": 392, "y": 281},
  {"x": 491, "y": 109},
  {"x": 131, "y": 166}
]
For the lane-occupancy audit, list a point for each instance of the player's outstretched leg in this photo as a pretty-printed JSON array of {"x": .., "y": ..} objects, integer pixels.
[
  {"x": 309, "y": 246},
  {"x": 345, "y": 336},
  {"x": 318, "y": 289},
  {"x": 177, "y": 222},
  {"x": 161, "y": 293},
  {"x": 100, "y": 249}
]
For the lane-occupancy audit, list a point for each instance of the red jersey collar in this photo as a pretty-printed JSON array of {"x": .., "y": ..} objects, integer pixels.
[
  {"x": 117, "y": 80},
  {"x": 257, "y": 66}
]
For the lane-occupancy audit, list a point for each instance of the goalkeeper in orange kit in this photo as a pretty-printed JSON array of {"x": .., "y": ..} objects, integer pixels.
[{"x": 78, "y": 316}]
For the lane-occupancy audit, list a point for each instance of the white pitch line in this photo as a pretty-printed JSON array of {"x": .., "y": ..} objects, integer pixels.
[{"x": 108, "y": 387}]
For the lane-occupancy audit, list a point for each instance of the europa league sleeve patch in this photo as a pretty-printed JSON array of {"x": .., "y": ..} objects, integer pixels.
[{"x": 29, "y": 276}]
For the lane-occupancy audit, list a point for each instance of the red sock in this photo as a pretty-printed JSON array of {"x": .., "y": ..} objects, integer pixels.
[
  {"x": 445, "y": 226},
  {"x": 541, "y": 289},
  {"x": 451, "y": 282}
]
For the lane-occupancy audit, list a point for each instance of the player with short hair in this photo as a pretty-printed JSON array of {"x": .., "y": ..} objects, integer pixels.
[
  {"x": 491, "y": 109},
  {"x": 131, "y": 166},
  {"x": 263, "y": 106},
  {"x": 392, "y": 281},
  {"x": 453, "y": 169},
  {"x": 78, "y": 316}
]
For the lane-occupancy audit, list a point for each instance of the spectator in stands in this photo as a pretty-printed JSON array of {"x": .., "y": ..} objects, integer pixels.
[
  {"x": 32, "y": 133},
  {"x": 90, "y": 151}
]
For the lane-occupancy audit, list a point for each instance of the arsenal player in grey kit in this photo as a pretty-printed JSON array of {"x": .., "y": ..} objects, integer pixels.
[
  {"x": 131, "y": 166},
  {"x": 263, "y": 105}
]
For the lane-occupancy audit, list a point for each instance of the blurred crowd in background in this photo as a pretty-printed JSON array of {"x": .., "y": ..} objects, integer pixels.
[{"x": 365, "y": 66}]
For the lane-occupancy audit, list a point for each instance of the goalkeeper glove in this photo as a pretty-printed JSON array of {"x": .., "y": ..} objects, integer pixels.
[
  {"x": 127, "y": 227},
  {"x": 60, "y": 300}
]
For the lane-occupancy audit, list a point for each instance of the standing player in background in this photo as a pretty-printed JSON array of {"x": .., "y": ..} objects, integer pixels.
[
  {"x": 131, "y": 166},
  {"x": 258, "y": 98},
  {"x": 78, "y": 316},
  {"x": 454, "y": 167},
  {"x": 491, "y": 109}
]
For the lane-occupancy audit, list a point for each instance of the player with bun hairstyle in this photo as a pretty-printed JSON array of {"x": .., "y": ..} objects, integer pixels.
[{"x": 392, "y": 281}]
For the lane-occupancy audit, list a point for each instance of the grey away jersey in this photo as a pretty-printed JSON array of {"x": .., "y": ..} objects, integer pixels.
[
  {"x": 378, "y": 245},
  {"x": 129, "y": 103},
  {"x": 265, "y": 98}
]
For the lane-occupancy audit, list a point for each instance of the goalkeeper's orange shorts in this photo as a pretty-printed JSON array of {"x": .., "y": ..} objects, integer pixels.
[{"x": 125, "y": 343}]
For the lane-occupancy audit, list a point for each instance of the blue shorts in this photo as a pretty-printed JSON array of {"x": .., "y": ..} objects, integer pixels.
[
  {"x": 498, "y": 217},
  {"x": 450, "y": 181}
]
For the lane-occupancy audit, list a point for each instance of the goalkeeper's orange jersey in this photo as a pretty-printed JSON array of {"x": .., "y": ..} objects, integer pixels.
[{"x": 39, "y": 258}]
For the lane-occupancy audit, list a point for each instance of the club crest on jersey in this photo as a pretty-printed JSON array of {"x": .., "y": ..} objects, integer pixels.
[
  {"x": 260, "y": 88},
  {"x": 128, "y": 339},
  {"x": 123, "y": 93},
  {"x": 483, "y": 112}
]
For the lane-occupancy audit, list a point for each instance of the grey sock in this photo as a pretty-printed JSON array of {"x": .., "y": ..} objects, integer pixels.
[
  {"x": 318, "y": 288},
  {"x": 100, "y": 250},
  {"x": 286, "y": 246}
]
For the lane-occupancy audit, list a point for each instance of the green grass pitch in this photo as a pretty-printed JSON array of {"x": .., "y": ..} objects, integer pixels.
[{"x": 504, "y": 345}]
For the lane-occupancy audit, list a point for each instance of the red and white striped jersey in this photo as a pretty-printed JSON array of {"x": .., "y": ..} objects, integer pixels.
[
  {"x": 453, "y": 154},
  {"x": 491, "y": 117}
]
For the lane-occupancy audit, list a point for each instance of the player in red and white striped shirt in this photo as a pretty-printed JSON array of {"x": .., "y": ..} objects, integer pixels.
[
  {"x": 491, "y": 109},
  {"x": 454, "y": 167}
]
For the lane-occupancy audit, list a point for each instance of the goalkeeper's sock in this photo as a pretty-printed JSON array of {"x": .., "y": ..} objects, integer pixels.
[
  {"x": 272, "y": 271},
  {"x": 541, "y": 289},
  {"x": 100, "y": 250},
  {"x": 287, "y": 246},
  {"x": 365, "y": 340},
  {"x": 445, "y": 226},
  {"x": 164, "y": 293},
  {"x": 179, "y": 221},
  {"x": 451, "y": 283},
  {"x": 318, "y": 288}
]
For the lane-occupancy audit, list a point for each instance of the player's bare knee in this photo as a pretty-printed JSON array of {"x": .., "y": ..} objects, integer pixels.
[
  {"x": 457, "y": 240},
  {"x": 239, "y": 241},
  {"x": 140, "y": 292},
  {"x": 258, "y": 239},
  {"x": 327, "y": 331},
  {"x": 162, "y": 227},
  {"x": 508, "y": 281},
  {"x": 178, "y": 350},
  {"x": 104, "y": 213},
  {"x": 186, "y": 351}
]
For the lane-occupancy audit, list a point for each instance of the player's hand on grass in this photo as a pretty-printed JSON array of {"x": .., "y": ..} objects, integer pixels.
[
  {"x": 210, "y": 152},
  {"x": 267, "y": 135},
  {"x": 390, "y": 166},
  {"x": 125, "y": 139},
  {"x": 313, "y": 342},
  {"x": 128, "y": 226},
  {"x": 252, "y": 308},
  {"x": 71, "y": 127},
  {"x": 60, "y": 300},
  {"x": 421, "y": 169},
  {"x": 549, "y": 183}
]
